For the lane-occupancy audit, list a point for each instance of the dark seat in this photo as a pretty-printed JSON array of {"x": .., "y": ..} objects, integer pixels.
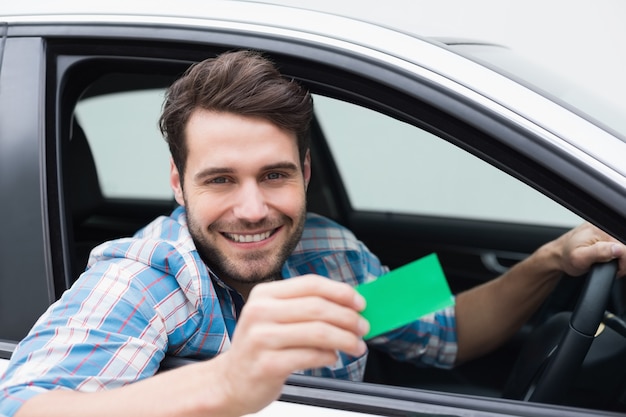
[{"x": 85, "y": 195}]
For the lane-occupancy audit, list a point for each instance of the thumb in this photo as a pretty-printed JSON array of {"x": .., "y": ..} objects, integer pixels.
[
  {"x": 607, "y": 251},
  {"x": 619, "y": 252},
  {"x": 583, "y": 257}
]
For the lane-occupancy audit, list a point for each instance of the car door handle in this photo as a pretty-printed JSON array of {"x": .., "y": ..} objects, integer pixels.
[{"x": 500, "y": 262}]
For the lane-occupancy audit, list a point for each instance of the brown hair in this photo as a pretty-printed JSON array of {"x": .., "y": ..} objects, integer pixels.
[{"x": 241, "y": 82}]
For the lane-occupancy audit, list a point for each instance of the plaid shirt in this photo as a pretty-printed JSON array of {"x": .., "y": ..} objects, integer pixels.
[{"x": 145, "y": 297}]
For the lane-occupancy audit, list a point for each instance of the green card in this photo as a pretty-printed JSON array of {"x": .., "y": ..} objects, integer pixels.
[{"x": 405, "y": 294}]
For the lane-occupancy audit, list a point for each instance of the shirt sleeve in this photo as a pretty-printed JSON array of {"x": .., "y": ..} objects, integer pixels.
[{"x": 104, "y": 332}]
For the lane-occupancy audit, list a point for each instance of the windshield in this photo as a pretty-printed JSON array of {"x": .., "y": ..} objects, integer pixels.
[{"x": 572, "y": 95}]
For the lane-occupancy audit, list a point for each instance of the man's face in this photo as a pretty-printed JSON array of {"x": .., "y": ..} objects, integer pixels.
[{"x": 244, "y": 193}]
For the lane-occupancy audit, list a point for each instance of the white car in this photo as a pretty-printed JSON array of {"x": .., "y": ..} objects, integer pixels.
[{"x": 419, "y": 145}]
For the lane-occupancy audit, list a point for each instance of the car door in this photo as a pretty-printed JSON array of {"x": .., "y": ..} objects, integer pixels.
[{"x": 24, "y": 256}]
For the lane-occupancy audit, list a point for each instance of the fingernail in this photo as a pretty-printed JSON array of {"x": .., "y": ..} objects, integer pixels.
[
  {"x": 362, "y": 347},
  {"x": 364, "y": 326},
  {"x": 359, "y": 302},
  {"x": 616, "y": 250}
]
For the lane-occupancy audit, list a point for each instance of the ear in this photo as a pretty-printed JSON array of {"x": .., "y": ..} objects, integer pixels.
[
  {"x": 306, "y": 169},
  {"x": 176, "y": 184}
]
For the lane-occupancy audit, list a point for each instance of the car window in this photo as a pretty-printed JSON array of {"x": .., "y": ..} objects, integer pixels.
[
  {"x": 386, "y": 165},
  {"x": 391, "y": 166},
  {"x": 131, "y": 157}
]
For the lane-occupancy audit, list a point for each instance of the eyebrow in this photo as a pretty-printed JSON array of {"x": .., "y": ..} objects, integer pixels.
[{"x": 225, "y": 170}]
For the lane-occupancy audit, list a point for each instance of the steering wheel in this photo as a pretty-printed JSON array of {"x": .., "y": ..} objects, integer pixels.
[{"x": 554, "y": 352}]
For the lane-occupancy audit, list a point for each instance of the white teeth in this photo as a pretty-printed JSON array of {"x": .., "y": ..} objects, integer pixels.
[{"x": 248, "y": 238}]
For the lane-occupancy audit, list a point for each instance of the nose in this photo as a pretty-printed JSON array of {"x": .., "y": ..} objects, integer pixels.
[{"x": 250, "y": 204}]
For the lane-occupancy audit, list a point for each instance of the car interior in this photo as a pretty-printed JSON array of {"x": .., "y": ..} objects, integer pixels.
[{"x": 90, "y": 217}]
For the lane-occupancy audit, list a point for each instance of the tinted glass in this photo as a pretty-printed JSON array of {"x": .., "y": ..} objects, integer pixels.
[{"x": 391, "y": 166}]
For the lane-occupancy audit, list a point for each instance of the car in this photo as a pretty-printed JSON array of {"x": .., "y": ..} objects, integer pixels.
[{"x": 419, "y": 145}]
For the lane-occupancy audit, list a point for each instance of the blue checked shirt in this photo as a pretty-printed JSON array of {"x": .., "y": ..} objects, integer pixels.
[{"x": 145, "y": 297}]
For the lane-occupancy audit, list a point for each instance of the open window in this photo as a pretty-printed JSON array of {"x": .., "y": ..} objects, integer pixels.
[{"x": 406, "y": 176}]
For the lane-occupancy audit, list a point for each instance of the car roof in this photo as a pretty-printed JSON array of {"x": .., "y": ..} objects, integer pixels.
[{"x": 251, "y": 12}]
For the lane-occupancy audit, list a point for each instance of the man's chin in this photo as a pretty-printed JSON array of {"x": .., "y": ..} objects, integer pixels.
[
  {"x": 253, "y": 271},
  {"x": 252, "y": 278}
]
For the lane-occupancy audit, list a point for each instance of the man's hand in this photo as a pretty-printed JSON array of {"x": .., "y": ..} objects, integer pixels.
[
  {"x": 489, "y": 314},
  {"x": 286, "y": 326},
  {"x": 586, "y": 245}
]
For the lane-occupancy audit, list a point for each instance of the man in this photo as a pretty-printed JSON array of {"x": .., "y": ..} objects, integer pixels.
[{"x": 237, "y": 132}]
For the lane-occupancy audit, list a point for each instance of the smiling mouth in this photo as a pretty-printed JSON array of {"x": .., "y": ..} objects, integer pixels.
[{"x": 249, "y": 238}]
